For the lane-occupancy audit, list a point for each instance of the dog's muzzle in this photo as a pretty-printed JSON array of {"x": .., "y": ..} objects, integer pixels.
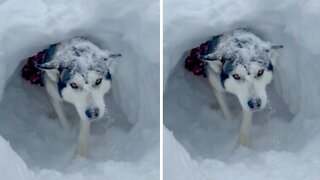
[
  {"x": 92, "y": 113},
  {"x": 254, "y": 103}
]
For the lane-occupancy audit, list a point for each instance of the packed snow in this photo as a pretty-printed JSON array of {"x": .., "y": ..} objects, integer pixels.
[
  {"x": 124, "y": 145},
  {"x": 198, "y": 143}
]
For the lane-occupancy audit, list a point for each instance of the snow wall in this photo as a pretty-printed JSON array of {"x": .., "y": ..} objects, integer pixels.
[
  {"x": 198, "y": 143},
  {"x": 125, "y": 144}
]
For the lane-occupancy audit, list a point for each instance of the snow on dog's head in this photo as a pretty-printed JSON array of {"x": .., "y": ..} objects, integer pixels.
[
  {"x": 82, "y": 72},
  {"x": 245, "y": 64}
]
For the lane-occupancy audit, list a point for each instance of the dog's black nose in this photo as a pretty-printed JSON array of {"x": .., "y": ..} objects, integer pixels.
[
  {"x": 92, "y": 112},
  {"x": 254, "y": 103}
]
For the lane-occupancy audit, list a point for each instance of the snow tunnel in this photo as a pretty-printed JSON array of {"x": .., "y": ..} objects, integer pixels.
[
  {"x": 198, "y": 139},
  {"x": 125, "y": 143}
]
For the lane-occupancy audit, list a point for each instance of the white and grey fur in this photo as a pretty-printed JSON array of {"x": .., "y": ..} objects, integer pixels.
[
  {"x": 79, "y": 72},
  {"x": 241, "y": 64}
]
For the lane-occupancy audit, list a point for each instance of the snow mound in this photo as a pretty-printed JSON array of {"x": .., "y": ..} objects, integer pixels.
[
  {"x": 285, "y": 134},
  {"x": 125, "y": 144}
]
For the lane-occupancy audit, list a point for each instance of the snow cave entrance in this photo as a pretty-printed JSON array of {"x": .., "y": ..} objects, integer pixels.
[
  {"x": 193, "y": 115},
  {"x": 29, "y": 123}
]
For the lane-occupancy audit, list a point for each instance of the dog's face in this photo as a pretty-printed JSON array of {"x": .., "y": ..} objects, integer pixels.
[
  {"x": 249, "y": 84},
  {"x": 248, "y": 80},
  {"x": 82, "y": 72},
  {"x": 85, "y": 93},
  {"x": 245, "y": 65}
]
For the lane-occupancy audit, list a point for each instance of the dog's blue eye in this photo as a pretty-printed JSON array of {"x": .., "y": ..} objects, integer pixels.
[
  {"x": 74, "y": 85},
  {"x": 260, "y": 72},
  {"x": 98, "y": 81},
  {"x": 236, "y": 76}
]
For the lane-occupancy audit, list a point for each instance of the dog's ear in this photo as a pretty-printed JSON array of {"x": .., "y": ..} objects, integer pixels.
[
  {"x": 274, "y": 52},
  {"x": 51, "y": 68},
  {"x": 213, "y": 60},
  {"x": 111, "y": 61}
]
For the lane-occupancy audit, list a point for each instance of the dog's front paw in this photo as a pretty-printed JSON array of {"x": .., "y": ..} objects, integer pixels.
[
  {"x": 81, "y": 151},
  {"x": 244, "y": 141}
]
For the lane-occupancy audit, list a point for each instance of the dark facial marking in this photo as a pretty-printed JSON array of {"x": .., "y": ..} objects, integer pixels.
[
  {"x": 270, "y": 67},
  {"x": 64, "y": 78},
  {"x": 226, "y": 70},
  {"x": 223, "y": 77},
  {"x": 108, "y": 76}
]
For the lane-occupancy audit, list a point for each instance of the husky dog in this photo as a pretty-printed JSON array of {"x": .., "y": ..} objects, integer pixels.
[
  {"x": 78, "y": 72},
  {"x": 241, "y": 64}
]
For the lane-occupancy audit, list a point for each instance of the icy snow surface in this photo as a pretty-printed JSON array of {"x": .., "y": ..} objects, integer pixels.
[
  {"x": 285, "y": 135},
  {"x": 125, "y": 144}
]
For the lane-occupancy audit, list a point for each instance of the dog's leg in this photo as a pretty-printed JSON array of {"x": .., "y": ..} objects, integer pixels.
[
  {"x": 223, "y": 104},
  {"x": 244, "y": 135},
  {"x": 220, "y": 96},
  {"x": 58, "y": 107},
  {"x": 56, "y": 102},
  {"x": 82, "y": 145}
]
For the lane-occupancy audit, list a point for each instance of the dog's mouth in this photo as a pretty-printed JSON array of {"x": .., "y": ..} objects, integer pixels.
[
  {"x": 256, "y": 109},
  {"x": 94, "y": 119}
]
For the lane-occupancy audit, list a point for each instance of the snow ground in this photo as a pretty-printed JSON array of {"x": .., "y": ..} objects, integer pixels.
[
  {"x": 125, "y": 144},
  {"x": 198, "y": 143}
]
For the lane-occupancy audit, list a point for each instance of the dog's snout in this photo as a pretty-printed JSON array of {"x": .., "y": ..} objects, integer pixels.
[
  {"x": 254, "y": 103},
  {"x": 92, "y": 112}
]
